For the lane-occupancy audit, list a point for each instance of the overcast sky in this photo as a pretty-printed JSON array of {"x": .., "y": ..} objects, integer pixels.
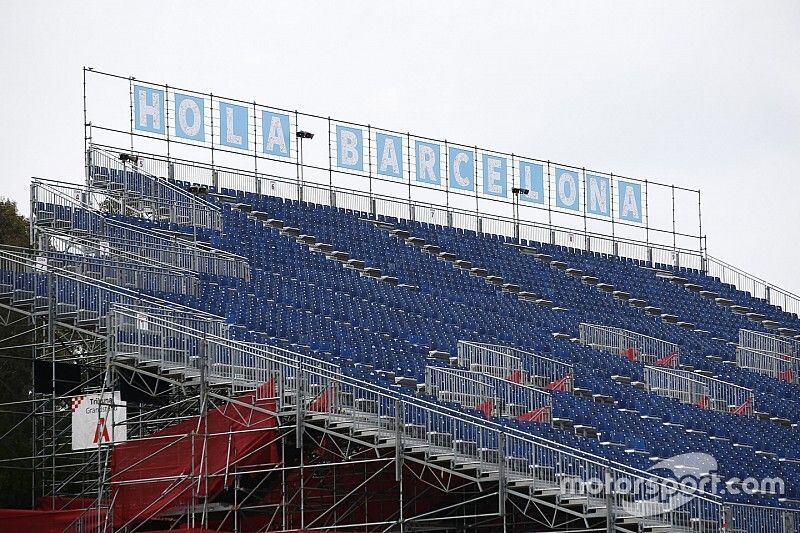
[{"x": 704, "y": 95}]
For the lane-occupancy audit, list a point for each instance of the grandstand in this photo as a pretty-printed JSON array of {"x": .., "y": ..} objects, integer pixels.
[{"x": 294, "y": 356}]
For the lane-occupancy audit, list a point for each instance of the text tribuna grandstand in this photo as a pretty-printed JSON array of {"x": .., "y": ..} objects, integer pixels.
[{"x": 245, "y": 350}]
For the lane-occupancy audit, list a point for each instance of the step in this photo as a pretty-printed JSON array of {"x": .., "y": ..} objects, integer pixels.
[
  {"x": 324, "y": 247},
  {"x": 621, "y": 295},
  {"x": 636, "y": 302},
  {"x": 607, "y": 287},
  {"x": 289, "y": 230},
  {"x": 416, "y": 241},
  {"x": 447, "y": 256},
  {"x": 401, "y": 233},
  {"x": 432, "y": 248},
  {"x": 479, "y": 272},
  {"x": 510, "y": 287},
  {"x": 590, "y": 280},
  {"x": 358, "y": 264},
  {"x": 544, "y": 258},
  {"x": 560, "y": 265},
  {"x": 574, "y": 272},
  {"x": 439, "y": 354},
  {"x": 463, "y": 263}
]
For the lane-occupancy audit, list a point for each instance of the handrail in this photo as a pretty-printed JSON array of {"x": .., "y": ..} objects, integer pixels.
[
  {"x": 785, "y": 300},
  {"x": 29, "y": 265},
  {"x": 166, "y": 242},
  {"x": 452, "y": 216},
  {"x": 323, "y": 370},
  {"x": 162, "y": 182}
]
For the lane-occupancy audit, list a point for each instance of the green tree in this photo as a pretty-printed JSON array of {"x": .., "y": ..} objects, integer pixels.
[{"x": 15, "y": 385}]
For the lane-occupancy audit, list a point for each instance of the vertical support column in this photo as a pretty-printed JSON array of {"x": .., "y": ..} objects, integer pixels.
[
  {"x": 789, "y": 521},
  {"x": 700, "y": 231},
  {"x": 478, "y": 222},
  {"x": 372, "y": 210},
  {"x": 549, "y": 206},
  {"x": 299, "y": 406},
  {"x": 211, "y": 109},
  {"x": 298, "y": 161},
  {"x": 330, "y": 164},
  {"x": 130, "y": 91},
  {"x": 448, "y": 216},
  {"x": 515, "y": 201},
  {"x": 727, "y": 518},
  {"x": 398, "y": 454},
  {"x": 647, "y": 225},
  {"x": 614, "y": 243},
  {"x": 204, "y": 418},
  {"x": 586, "y": 245},
  {"x": 166, "y": 117},
  {"x": 674, "y": 235},
  {"x": 257, "y": 188},
  {"x": 610, "y": 515},
  {"x": 51, "y": 348},
  {"x": 501, "y": 477},
  {"x": 408, "y": 158}
]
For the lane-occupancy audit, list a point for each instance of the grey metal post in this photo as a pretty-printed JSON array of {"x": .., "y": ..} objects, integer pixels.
[
  {"x": 549, "y": 209},
  {"x": 399, "y": 450},
  {"x": 299, "y": 407},
  {"x": 501, "y": 477},
  {"x": 610, "y": 517},
  {"x": 330, "y": 164}
]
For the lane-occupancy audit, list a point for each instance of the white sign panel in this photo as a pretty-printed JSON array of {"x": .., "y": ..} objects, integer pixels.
[{"x": 94, "y": 420}]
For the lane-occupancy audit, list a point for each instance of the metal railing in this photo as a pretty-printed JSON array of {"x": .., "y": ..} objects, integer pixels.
[
  {"x": 512, "y": 363},
  {"x": 414, "y": 423},
  {"x": 769, "y": 343},
  {"x": 770, "y": 355},
  {"x": 683, "y": 388},
  {"x": 124, "y": 178},
  {"x": 122, "y": 272},
  {"x": 635, "y": 346},
  {"x": 784, "y": 368},
  {"x": 696, "y": 389},
  {"x": 72, "y": 297},
  {"x": 67, "y": 214},
  {"x": 375, "y": 204},
  {"x": 489, "y": 394},
  {"x": 786, "y": 300}
]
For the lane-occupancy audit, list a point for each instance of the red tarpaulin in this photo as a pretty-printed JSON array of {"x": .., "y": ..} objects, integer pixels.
[
  {"x": 37, "y": 521},
  {"x": 153, "y": 475}
]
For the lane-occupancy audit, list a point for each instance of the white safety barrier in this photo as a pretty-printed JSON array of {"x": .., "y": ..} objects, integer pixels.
[
  {"x": 697, "y": 389},
  {"x": 515, "y": 458},
  {"x": 516, "y": 365},
  {"x": 73, "y": 218},
  {"x": 634, "y": 346},
  {"x": 132, "y": 188},
  {"x": 492, "y": 395}
]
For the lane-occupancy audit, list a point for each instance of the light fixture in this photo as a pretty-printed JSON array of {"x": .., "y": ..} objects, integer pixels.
[
  {"x": 134, "y": 159},
  {"x": 305, "y": 135},
  {"x": 518, "y": 190}
]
